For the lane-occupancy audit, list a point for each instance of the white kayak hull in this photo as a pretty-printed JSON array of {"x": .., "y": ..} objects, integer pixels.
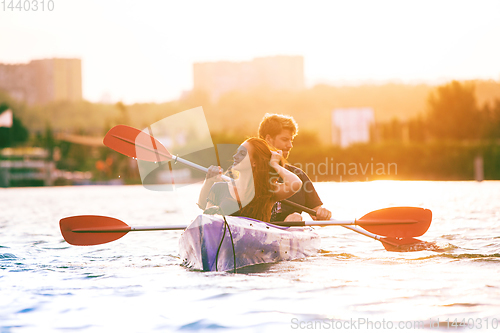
[{"x": 208, "y": 244}]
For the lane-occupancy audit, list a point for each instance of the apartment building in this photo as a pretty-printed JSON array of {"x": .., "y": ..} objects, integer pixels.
[
  {"x": 43, "y": 81},
  {"x": 276, "y": 73}
]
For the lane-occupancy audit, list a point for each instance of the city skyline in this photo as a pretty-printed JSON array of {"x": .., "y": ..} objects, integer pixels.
[
  {"x": 43, "y": 80},
  {"x": 276, "y": 73},
  {"x": 145, "y": 51}
]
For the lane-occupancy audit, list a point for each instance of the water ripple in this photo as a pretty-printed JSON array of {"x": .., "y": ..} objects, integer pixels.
[
  {"x": 7, "y": 256},
  {"x": 137, "y": 283}
]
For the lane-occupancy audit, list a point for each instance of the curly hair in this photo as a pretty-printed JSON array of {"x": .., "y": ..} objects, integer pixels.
[{"x": 273, "y": 124}]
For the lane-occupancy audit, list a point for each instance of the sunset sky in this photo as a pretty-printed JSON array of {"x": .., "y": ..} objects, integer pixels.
[{"x": 143, "y": 51}]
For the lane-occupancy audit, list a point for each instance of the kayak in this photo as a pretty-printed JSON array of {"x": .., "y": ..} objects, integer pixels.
[{"x": 211, "y": 244}]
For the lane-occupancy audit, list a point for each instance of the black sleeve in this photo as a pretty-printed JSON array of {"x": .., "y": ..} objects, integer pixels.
[
  {"x": 306, "y": 196},
  {"x": 312, "y": 197}
]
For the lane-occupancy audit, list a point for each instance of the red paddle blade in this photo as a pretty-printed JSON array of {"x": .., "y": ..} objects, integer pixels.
[
  {"x": 92, "y": 229},
  {"x": 132, "y": 142},
  {"x": 407, "y": 245},
  {"x": 423, "y": 218}
]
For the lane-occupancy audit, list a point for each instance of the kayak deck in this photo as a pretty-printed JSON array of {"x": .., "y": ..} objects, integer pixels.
[{"x": 208, "y": 244}]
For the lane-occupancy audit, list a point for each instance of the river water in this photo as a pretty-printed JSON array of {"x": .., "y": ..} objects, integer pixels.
[{"x": 137, "y": 283}]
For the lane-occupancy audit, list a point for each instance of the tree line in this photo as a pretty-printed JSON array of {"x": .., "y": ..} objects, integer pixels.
[{"x": 451, "y": 127}]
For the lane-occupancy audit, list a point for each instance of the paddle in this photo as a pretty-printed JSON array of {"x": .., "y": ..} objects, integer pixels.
[
  {"x": 420, "y": 217},
  {"x": 95, "y": 229},
  {"x": 395, "y": 222},
  {"x": 133, "y": 142},
  {"x": 392, "y": 243}
]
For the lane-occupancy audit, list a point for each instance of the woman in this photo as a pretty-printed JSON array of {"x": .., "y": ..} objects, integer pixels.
[{"x": 255, "y": 191}]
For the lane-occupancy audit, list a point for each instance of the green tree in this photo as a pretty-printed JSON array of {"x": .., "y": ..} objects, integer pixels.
[
  {"x": 13, "y": 135},
  {"x": 453, "y": 113},
  {"x": 492, "y": 125}
]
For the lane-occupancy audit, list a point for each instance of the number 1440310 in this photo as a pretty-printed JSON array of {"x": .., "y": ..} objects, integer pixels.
[
  {"x": 28, "y": 5},
  {"x": 471, "y": 323}
]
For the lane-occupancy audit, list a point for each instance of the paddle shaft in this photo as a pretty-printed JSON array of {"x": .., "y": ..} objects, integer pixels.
[
  {"x": 182, "y": 227},
  {"x": 369, "y": 234},
  {"x": 359, "y": 231},
  {"x": 127, "y": 229},
  {"x": 341, "y": 223}
]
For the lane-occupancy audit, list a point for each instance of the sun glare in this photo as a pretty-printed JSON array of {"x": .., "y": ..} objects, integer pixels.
[{"x": 145, "y": 52}]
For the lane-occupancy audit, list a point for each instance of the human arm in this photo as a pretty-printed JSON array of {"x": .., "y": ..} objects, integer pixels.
[
  {"x": 291, "y": 182},
  {"x": 213, "y": 175}
]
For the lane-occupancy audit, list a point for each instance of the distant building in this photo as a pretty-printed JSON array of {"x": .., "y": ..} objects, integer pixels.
[
  {"x": 43, "y": 81},
  {"x": 351, "y": 125},
  {"x": 277, "y": 73}
]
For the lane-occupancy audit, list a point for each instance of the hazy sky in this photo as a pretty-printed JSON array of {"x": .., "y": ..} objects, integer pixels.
[{"x": 143, "y": 51}]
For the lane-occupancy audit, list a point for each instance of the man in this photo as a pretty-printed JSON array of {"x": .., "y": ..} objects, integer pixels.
[{"x": 279, "y": 131}]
